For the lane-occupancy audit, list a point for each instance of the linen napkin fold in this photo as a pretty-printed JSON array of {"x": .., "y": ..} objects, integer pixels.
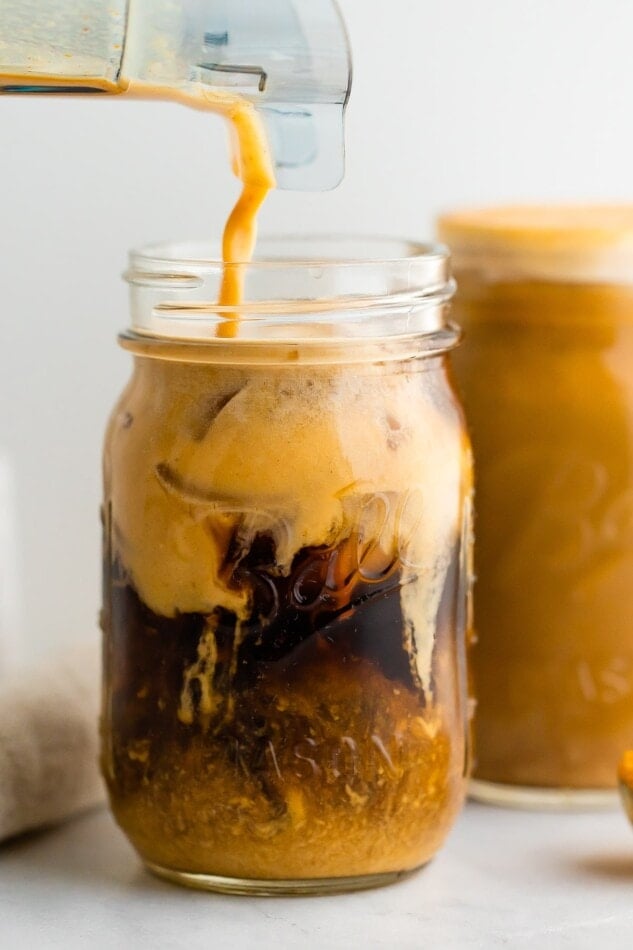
[{"x": 49, "y": 742}]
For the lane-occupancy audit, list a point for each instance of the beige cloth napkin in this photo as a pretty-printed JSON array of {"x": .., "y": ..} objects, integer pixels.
[{"x": 49, "y": 742}]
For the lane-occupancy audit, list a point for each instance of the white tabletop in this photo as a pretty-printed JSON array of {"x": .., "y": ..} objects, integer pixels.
[{"x": 505, "y": 879}]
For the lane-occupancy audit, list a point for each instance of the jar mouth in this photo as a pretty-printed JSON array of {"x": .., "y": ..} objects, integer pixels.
[
  {"x": 296, "y": 288},
  {"x": 573, "y": 244},
  {"x": 299, "y": 252}
]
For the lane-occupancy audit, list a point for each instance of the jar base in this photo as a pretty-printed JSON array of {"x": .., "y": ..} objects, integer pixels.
[
  {"x": 281, "y": 888},
  {"x": 542, "y": 799}
]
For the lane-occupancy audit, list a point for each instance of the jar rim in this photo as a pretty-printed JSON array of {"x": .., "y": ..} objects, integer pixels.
[
  {"x": 559, "y": 243},
  {"x": 297, "y": 289},
  {"x": 385, "y": 250}
]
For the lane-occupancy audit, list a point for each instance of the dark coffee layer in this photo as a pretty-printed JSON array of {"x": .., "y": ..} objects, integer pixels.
[
  {"x": 230, "y": 745},
  {"x": 295, "y": 621}
]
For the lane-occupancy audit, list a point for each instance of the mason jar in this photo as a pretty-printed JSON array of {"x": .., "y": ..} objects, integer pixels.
[
  {"x": 546, "y": 301},
  {"x": 286, "y": 569}
]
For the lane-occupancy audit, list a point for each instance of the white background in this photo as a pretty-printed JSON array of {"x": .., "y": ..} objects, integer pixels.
[{"x": 455, "y": 101}]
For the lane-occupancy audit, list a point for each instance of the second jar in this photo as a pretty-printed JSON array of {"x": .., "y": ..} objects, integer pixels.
[
  {"x": 546, "y": 300},
  {"x": 286, "y": 571}
]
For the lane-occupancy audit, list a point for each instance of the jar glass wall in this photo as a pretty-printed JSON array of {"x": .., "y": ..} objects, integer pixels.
[
  {"x": 546, "y": 300},
  {"x": 286, "y": 582}
]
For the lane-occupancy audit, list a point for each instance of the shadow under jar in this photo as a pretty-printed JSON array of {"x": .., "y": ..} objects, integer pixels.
[
  {"x": 546, "y": 302},
  {"x": 286, "y": 570}
]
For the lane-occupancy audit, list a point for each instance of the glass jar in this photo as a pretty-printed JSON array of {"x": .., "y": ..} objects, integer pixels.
[
  {"x": 546, "y": 300},
  {"x": 286, "y": 570}
]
